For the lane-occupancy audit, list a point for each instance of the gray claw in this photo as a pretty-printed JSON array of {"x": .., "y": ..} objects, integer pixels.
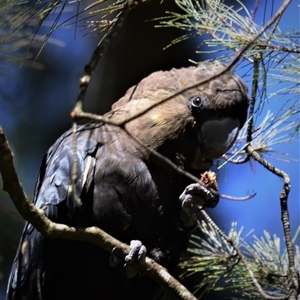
[
  {"x": 197, "y": 194},
  {"x": 113, "y": 259},
  {"x": 137, "y": 252},
  {"x": 195, "y": 197}
]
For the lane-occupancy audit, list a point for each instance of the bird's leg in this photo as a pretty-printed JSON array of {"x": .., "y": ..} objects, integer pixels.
[
  {"x": 137, "y": 252},
  {"x": 194, "y": 198}
]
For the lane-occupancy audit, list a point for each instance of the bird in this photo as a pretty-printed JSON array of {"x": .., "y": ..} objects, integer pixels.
[{"x": 190, "y": 116}]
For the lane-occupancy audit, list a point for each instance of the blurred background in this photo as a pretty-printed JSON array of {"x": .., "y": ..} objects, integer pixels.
[{"x": 36, "y": 101}]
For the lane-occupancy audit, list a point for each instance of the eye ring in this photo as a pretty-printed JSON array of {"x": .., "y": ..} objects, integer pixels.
[{"x": 197, "y": 102}]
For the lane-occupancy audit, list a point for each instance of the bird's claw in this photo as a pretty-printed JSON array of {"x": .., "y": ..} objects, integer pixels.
[
  {"x": 194, "y": 198},
  {"x": 137, "y": 253},
  {"x": 197, "y": 194},
  {"x": 113, "y": 259}
]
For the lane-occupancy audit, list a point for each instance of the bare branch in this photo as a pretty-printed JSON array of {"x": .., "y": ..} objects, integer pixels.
[
  {"x": 93, "y": 235},
  {"x": 162, "y": 158},
  {"x": 294, "y": 279}
]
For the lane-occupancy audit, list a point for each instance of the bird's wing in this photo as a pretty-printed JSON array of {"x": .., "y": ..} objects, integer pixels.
[
  {"x": 53, "y": 194},
  {"x": 54, "y": 184},
  {"x": 111, "y": 180}
]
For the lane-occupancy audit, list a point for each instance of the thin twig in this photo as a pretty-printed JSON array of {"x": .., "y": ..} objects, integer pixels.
[
  {"x": 244, "y": 198},
  {"x": 294, "y": 279},
  {"x": 161, "y": 157},
  {"x": 85, "y": 80},
  {"x": 78, "y": 110},
  {"x": 254, "y": 11},
  {"x": 256, "y": 61}
]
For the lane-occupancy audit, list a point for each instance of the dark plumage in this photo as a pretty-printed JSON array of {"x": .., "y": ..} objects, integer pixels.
[{"x": 124, "y": 189}]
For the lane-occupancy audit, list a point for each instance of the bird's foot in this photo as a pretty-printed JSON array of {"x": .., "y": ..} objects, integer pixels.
[
  {"x": 194, "y": 198},
  {"x": 137, "y": 253}
]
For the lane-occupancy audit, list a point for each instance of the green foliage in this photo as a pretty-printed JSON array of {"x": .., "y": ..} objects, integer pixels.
[
  {"x": 21, "y": 22},
  {"x": 220, "y": 267},
  {"x": 274, "y": 129}
]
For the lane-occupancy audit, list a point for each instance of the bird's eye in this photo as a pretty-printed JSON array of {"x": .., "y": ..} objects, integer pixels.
[{"x": 197, "y": 102}]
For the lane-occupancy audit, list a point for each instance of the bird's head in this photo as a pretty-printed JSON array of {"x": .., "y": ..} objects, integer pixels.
[{"x": 198, "y": 119}]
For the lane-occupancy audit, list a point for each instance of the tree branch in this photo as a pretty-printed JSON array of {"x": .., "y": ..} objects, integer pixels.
[
  {"x": 294, "y": 278},
  {"x": 93, "y": 235}
]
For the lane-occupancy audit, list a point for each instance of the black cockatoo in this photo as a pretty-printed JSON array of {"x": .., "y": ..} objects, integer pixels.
[{"x": 125, "y": 189}]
